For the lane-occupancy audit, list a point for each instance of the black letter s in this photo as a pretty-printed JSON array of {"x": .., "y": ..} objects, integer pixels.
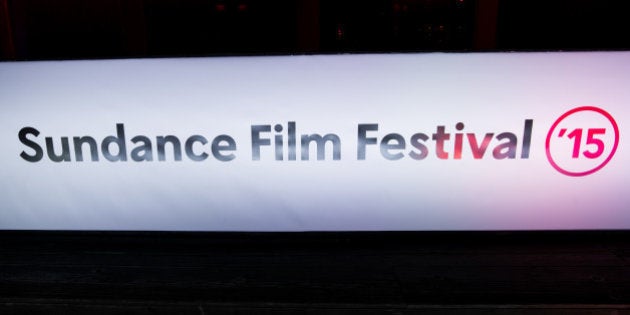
[{"x": 39, "y": 153}]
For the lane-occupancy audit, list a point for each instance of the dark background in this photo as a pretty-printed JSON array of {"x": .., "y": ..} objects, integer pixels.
[
  {"x": 529, "y": 272},
  {"x": 77, "y": 29}
]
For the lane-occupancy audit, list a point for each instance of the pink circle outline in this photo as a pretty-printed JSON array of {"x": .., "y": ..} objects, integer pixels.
[{"x": 565, "y": 115}]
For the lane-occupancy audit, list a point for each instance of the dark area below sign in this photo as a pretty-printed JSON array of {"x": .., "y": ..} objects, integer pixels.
[{"x": 458, "y": 272}]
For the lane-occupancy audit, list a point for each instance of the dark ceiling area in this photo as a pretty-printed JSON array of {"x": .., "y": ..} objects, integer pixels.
[{"x": 78, "y": 29}]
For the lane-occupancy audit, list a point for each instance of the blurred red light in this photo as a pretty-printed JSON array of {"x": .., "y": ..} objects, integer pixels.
[{"x": 340, "y": 31}]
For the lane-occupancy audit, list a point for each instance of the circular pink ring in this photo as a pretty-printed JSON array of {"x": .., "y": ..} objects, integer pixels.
[{"x": 565, "y": 115}]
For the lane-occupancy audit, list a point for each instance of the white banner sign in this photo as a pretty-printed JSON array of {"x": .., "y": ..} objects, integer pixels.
[{"x": 509, "y": 141}]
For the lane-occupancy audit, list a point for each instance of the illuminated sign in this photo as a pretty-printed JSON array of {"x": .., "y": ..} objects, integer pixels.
[{"x": 506, "y": 141}]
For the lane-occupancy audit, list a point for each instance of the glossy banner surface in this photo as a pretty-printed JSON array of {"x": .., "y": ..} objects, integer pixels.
[{"x": 505, "y": 141}]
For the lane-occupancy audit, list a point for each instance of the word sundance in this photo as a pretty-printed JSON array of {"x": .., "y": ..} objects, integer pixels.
[{"x": 115, "y": 148}]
